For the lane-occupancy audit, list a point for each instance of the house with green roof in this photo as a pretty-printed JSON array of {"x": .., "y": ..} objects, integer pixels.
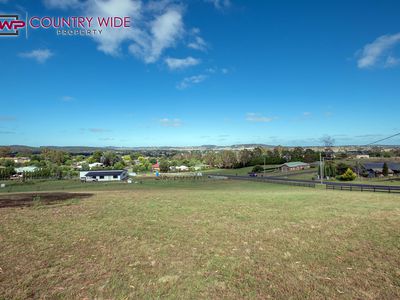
[{"x": 294, "y": 166}]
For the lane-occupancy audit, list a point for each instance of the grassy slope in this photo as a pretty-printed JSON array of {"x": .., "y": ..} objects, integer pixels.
[{"x": 207, "y": 240}]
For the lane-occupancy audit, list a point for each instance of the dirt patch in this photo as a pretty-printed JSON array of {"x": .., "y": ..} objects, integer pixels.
[{"x": 29, "y": 199}]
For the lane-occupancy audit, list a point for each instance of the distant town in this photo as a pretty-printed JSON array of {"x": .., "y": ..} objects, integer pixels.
[{"x": 326, "y": 162}]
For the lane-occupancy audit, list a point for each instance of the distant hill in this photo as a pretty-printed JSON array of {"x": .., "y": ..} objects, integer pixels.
[{"x": 89, "y": 150}]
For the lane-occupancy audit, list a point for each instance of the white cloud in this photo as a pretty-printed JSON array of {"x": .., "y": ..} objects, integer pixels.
[
  {"x": 307, "y": 113},
  {"x": 220, "y": 4},
  {"x": 197, "y": 42},
  {"x": 111, "y": 39},
  {"x": 181, "y": 63},
  {"x": 189, "y": 81},
  {"x": 215, "y": 70},
  {"x": 67, "y": 98},
  {"x": 61, "y": 4},
  {"x": 40, "y": 55},
  {"x": 378, "y": 53},
  {"x": 164, "y": 32},
  {"x": 155, "y": 25},
  {"x": 258, "y": 118},
  {"x": 98, "y": 130},
  {"x": 391, "y": 61},
  {"x": 170, "y": 122}
]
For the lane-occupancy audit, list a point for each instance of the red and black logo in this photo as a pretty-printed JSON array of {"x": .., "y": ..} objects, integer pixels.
[{"x": 10, "y": 25}]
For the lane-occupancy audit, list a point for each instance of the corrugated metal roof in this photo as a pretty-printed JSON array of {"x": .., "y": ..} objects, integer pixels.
[
  {"x": 379, "y": 165},
  {"x": 105, "y": 173},
  {"x": 295, "y": 164}
]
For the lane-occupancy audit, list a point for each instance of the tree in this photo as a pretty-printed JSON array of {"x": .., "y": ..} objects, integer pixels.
[
  {"x": 85, "y": 167},
  {"x": 310, "y": 156},
  {"x": 97, "y": 156},
  {"x": 5, "y": 151},
  {"x": 164, "y": 166},
  {"x": 55, "y": 156},
  {"x": 153, "y": 160},
  {"x": 228, "y": 158},
  {"x": 341, "y": 168},
  {"x": 109, "y": 158},
  {"x": 119, "y": 165},
  {"x": 329, "y": 169},
  {"x": 244, "y": 157},
  {"x": 385, "y": 169},
  {"x": 327, "y": 141},
  {"x": 349, "y": 175},
  {"x": 297, "y": 154}
]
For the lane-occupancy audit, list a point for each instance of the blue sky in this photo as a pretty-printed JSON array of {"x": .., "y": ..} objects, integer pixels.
[{"x": 204, "y": 72}]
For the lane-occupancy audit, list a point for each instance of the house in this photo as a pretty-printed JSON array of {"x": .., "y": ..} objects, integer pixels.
[
  {"x": 376, "y": 169},
  {"x": 362, "y": 156},
  {"x": 95, "y": 165},
  {"x": 23, "y": 170},
  {"x": 294, "y": 166},
  {"x": 182, "y": 168},
  {"x": 18, "y": 160},
  {"x": 155, "y": 167},
  {"x": 104, "y": 175}
]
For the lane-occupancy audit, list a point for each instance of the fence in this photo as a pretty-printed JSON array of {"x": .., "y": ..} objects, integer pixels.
[
  {"x": 363, "y": 188},
  {"x": 270, "y": 180}
]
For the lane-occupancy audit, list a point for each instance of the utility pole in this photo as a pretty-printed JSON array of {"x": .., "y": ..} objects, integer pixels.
[{"x": 320, "y": 167}]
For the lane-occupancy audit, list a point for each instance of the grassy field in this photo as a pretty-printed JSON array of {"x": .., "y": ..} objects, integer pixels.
[
  {"x": 239, "y": 171},
  {"x": 205, "y": 240}
]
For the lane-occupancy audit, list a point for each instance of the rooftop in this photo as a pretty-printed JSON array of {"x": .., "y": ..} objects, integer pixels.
[
  {"x": 105, "y": 173},
  {"x": 379, "y": 165},
  {"x": 295, "y": 164},
  {"x": 25, "y": 169}
]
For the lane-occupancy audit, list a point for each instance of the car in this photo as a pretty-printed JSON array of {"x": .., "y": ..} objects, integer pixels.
[
  {"x": 253, "y": 174},
  {"x": 88, "y": 179}
]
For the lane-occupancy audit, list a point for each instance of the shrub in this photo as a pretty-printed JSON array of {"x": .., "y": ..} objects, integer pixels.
[
  {"x": 257, "y": 169},
  {"x": 349, "y": 175}
]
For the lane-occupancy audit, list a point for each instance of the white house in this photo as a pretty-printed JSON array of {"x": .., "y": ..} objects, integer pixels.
[
  {"x": 182, "y": 168},
  {"x": 95, "y": 165},
  {"x": 25, "y": 169},
  {"x": 104, "y": 175}
]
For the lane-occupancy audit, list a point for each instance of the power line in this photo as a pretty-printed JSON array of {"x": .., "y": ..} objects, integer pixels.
[{"x": 389, "y": 137}]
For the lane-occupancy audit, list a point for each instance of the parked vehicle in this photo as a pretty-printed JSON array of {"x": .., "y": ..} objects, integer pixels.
[{"x": 88, "y": 179}]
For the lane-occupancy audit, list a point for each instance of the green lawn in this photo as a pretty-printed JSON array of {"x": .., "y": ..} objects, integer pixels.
[{"x": 205, "y": 239}]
